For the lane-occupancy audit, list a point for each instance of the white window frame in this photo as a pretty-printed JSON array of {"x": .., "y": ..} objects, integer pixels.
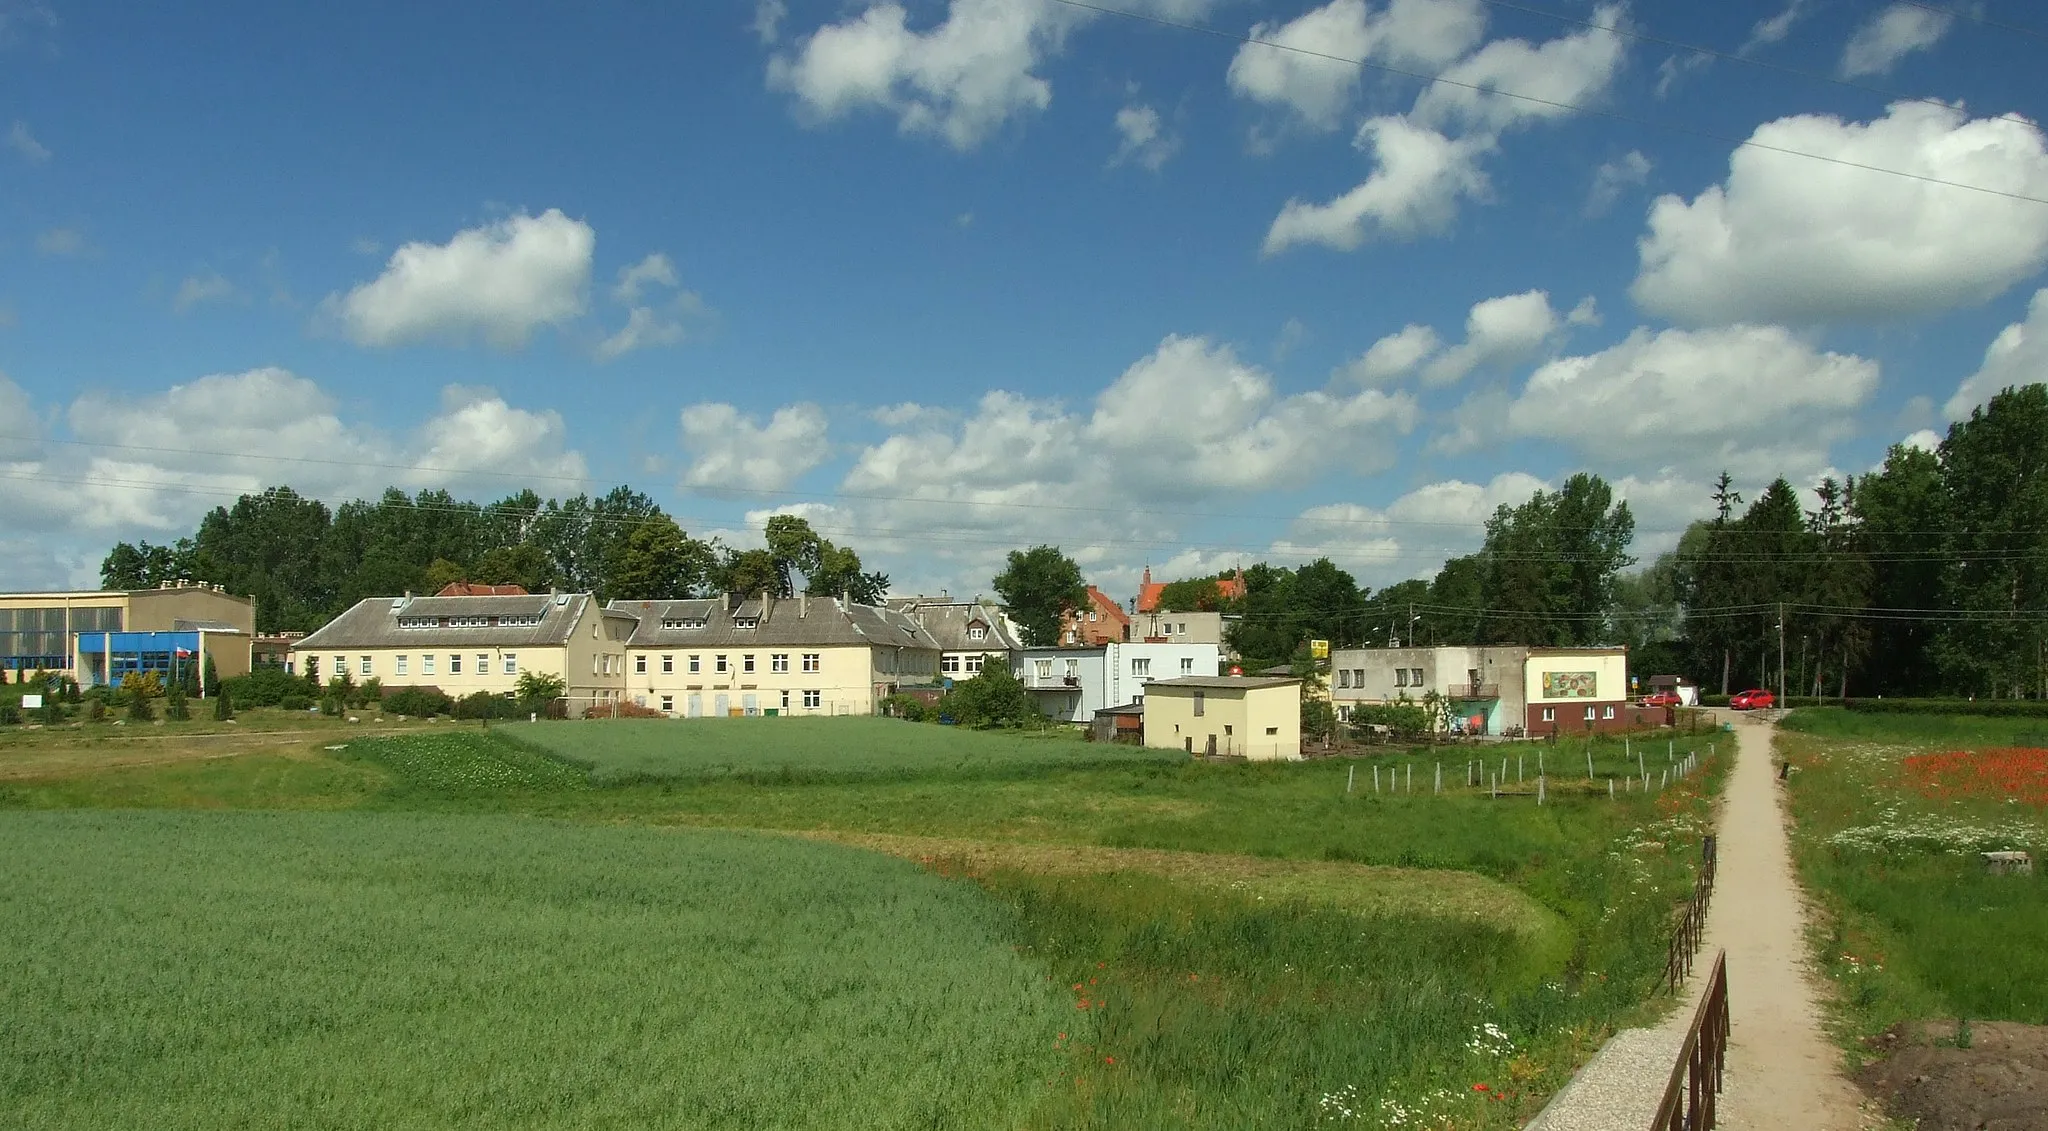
[
  {"x": 668, "y": 704},
  {"x": 668, "y": 665},
  {"x": 718, "y": 665},
  {"x": 454, "y": 663},
  {"x": 974, "y": 663},
  {"x": 366, "y": 666},
  {"x": 399, "y": 664},
  {"x": 747, "y": 663},
  {"x": 1549, "y": 714},
  {"x": 1141, "y": 666},
  {"x": 1043, "y": 668},
  {"x": 696, "y": 664},
  {"x": 483, "y": 664},
  {"x": 427, "y": 663},
  {"x": 511, "y": 663},
  {"x": 1187, "y": 665},
  {"x": 640, "y": 664},
  {"x": 778, "y": 662},
  {"x": 340, "y": 666},
  {"x": 1606, "y": 712},
  {"x": 814, "y": 661},
  {"x": 814, "y": 699}
]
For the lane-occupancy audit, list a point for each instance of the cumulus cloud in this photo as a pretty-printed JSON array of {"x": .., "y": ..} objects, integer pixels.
[
  {"x": 767, "y": 25},
  {"x": 1790, "y": 239},
  {"x": 499, "y": 282},
  {"x": 201, "y": 288},
  {"x": 1420, "y": 178},
  {"x": 1497, "y": 331},
  {"x": 1144, "y": 140},
  {"x": 2018, "y": 356},
  {"x": 1774, "y": 29},
  {"x": 25, "y": 144},
  {"x": 1562, "y": 73},
  {"x": 1395, "y": 355},
  {"x": 656, "y": 269},
  {"x": 729, "y": 451},
  {"x": 1409, "y": 537},
  {"x": 1300, "y": 65},
  {"x": 1696, "y": 394},
  {"x": 61, "y": 241},
  {"x": 1890, "y": 36},
  {"x": 20, "y": 429},
  {"x": 1612, "y": 178},
  {"x": 1926, "y": 439},
  {"x": 651, "y": 322}
]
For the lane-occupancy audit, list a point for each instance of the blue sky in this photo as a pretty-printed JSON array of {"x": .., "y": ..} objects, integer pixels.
[{"x": 961, "y": 275}]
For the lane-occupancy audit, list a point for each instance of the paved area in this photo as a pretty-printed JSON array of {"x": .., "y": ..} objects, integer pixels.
[{"x": 1782, "y": 1071}]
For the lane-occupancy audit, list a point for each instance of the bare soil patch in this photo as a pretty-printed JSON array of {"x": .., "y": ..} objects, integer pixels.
[{"x": 1998, "y": 1083}]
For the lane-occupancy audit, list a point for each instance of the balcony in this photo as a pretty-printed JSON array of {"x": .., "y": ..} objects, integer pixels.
[
  {"x": 1474, "y": 691},
  {"x": 1052, "y": 683}
]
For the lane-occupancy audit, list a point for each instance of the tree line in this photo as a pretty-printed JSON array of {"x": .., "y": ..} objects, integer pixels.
[{"x": 304, "y": 563}]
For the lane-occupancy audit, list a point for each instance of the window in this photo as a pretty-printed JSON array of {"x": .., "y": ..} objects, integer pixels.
[
  {"x": 1141, "y": 667},
  {"x": 814, "y": 699},
  {"x": 1415, "y": 677},
  {"x": 1358, "y": 677},
  {"x": 364, "y": 669},
  {"x": 399, "y": 663},
  {"x": 483, "y": 663},
  {"x": 810, "y": 661},
  {"x": 640, "y": 665},
  {"x": 718, "y": 663},
  {"x": 1344, "y": 677},
  {"x": 950, "y": 664},
  {"x": 418, "y": 622},
  {"x": 1043, "y": 668},
  {"x": 747, "y": 663},
  {"x": 682, "y": 622},
  {"x": 974, "y": 664},
  {"x": 1589, "y": 714},
  {"x": 1400, "y": 677},
  {"x": 593, "y": 663},
  {"x": 341, "y": 665},
  {"x": 1549, "y": 714},
  {"x": 1073, "y": 668},
  {"x": 455, "y": 664},
  {"x": 427, "y": 664},
  {"x": 1200, "y": 704},
  {"x": 746, "y": 622},
  {"x": 976, "y": 632},
  {"x": 511, "y": 663},
  {"x": 1606, "y": 712},
  {"x": 668, "y": 704},
  {"x": 778, "y": 661},
  {"x": 668, "y": 664},
  {"x": 527, "y": 621},
  {"x": 1187, "y": 665},
  {"x": 1272, "y": 730}
]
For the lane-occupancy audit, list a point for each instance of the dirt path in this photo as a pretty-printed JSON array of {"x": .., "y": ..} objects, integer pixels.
[{"x": 1782, "y": 1071}]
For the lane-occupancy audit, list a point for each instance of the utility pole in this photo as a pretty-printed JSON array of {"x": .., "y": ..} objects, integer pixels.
[{"x": 1781, "y": 651}]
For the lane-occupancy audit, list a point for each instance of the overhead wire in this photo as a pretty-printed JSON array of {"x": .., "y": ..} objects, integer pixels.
[
  {"x": 1975, "y": 17},
  {"x": 1552, "y": 103}
]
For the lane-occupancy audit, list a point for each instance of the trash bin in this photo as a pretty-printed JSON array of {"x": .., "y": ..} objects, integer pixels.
[{"x": 772, "y": 712}]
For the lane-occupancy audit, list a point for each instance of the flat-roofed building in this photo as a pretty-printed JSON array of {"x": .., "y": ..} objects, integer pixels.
[
  {"x": 1246, "y": 716},
  {"x": 763, "y": 655},
  {"x": 99, "y": 636},
  {"x": 463, "y": 645}
]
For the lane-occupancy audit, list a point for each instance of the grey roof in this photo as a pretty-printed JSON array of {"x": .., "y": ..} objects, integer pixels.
[
  {"x": 948, "y": 623},
  {"x": 1222, "y": 682},
  {"x": 373, "y": 622},
  {"x": 792, "y": 621}
]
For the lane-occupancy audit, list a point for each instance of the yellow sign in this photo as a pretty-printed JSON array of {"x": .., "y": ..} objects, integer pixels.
[{"x": 1318, "y": 649}]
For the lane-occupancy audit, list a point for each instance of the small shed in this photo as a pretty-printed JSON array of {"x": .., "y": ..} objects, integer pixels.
[
  {"x": 1687, "y": 691},
  {"x": 1120, "y": 724},
  {"x": 1254, "y": 717}
]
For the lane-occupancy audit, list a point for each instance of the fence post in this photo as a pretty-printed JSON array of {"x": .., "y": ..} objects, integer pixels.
[
  {"x": 1349, "y": 778},
  {"x": 1539, "y": 789},
  {"x": 1610, "y": 789}
]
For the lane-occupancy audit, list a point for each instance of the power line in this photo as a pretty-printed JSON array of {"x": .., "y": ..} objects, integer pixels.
[
  {"x": 1975, "y": 17},
  {"x": 1555, "y": 104}
]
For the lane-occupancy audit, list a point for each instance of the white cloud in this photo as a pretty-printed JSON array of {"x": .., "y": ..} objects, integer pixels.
[
  {"x": 61, "y": 241},
  {"x": 1145, "y": 141},
  {"x": 24, "y": 143},
  {"x": 1891, "y": 35},
  {"x": 499, "y": 282},
  {"x": 1628, "y": 171},
  {"x": 206, "y": 286},
  {"x": 1421, "y": 177},
  {"x": 1926, "y": 439},
  {"x": 656, "y": 269},
  {"x": 729, "y": 451},
  {"x": 1409, "y": 537},
  {"x": 1792, "y": 239},
  {"x": 1395, "y": 355},
  {"x": 1563, "y": 73},
  {"x": 1774, "y": 29},
  {"x": 767, "y": 23},
  {"x": 2018, "y": 356},
  {"x": 1301, "y": 65},
  {"x": 1704, "y": 396},
  {"x": 477, "y": 430},
  {"x": 21, "y": 429},
  {"x": 644, "y": 328},
  {"x": 1497, "y": 331}
]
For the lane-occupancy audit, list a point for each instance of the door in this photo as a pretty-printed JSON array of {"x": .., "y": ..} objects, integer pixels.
[
  {"x": 750, "y": 705},
  {"x": 723, "y": 705},
  {"x": 1211, "y": 750},
  {"x": 696, "y": 706}
]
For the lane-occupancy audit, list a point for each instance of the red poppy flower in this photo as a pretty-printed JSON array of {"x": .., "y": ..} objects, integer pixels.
[{"x": 1480, "y": 1088}]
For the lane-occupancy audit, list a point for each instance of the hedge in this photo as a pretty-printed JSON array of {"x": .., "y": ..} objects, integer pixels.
[
  {"x": 266, "y": 686},
  {"x": 421, "y": 702}
]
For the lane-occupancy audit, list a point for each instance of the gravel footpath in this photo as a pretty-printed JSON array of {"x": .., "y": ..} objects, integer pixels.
[{"x": 1619, "y": 1088}]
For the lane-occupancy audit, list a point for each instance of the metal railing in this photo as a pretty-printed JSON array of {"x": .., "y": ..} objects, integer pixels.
[
  {"x": 1685, "y": 940},
  {"x": 1475, "y": 691},
  {"x": 1691, "y": 1095}
]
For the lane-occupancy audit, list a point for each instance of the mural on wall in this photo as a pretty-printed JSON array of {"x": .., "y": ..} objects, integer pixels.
[{"x": 1571, "y": 685}]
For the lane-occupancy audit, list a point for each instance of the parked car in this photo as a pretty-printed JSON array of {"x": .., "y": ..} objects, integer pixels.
[
  {"x": 1661, "y": 699},
  {"x": 1755, "y": 699}
]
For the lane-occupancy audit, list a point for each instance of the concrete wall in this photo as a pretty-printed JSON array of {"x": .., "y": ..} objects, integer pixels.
[
  {"x": 1566, "y": 684},
  {"x": 845, "y": 683},
  {"x": 156, "y": 610},
  {"x": 1382, "y": 675},
  {"x": 1260, "y": 723},
  {"x": 1178, "y": 628},
  {"x": 1128, "y": 668}
]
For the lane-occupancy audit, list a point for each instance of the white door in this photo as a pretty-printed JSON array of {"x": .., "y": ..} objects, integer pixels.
[{"x": 696, "y": 706}]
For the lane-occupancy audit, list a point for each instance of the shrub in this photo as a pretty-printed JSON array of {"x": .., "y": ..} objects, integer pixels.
[
  {"x": 537, "y": 692},
  {"x": 174, "y": 703},
  {"x": 486, "y": 705},
  {"x": 266, "y": 687},
  {"x": 372, "y": 691},
  {"x": 142, "y": 685},
  {"x": 96, "y": 709},
  {"x": 141, "y": 709},
  {"x": 622, "y": 709},
  {"x": 330, "y": 705},
  {"x": 422, "y": 702},
  {"x": 1404, "y": 717},
  {"x": 52, "y": 712},
  {"x": 906, "y": 707},
  {"x": 295, "y": 702},
  {"x": 10, "y": 714},
  {"x": 992, "y": 699},
  {"x": 223, "y": 705}
]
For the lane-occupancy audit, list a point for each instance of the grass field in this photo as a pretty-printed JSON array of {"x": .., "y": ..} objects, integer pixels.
[
  {"x": 386, "y": 971},
  {"x": 1230, "y": 945},
  {"x": 785, "y": 751},
  {"x": 1892, "y": 812}
]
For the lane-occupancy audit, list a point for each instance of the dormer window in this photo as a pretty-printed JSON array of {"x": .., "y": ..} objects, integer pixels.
[
  {"x": 746, "y": 622},
  {"x": 418, "y": 622},
  {"x": 682, "y": 622},
  {"x": 976, "y": 632}
]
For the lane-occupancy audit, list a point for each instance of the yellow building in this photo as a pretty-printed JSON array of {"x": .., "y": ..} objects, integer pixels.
[
  {"x": 1573, "y": 690},
  {"x": 100, "y": 636},
  {"x": 729, "y": 655},
  {"x": 1255, "y": 717},
  {"x": 463, "y": 645}
]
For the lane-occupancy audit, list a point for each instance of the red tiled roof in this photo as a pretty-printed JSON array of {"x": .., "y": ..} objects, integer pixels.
[
  {"x": 1148, "y": 591},
  {"x": 471, "y": 589}
]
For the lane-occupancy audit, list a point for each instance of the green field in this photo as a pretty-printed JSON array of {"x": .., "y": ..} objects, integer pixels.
[
  {"x": 1916, "y": 929},
  {"x": 1226, "y": 945},
  {"x": 620, "y": 751},
  {"x": 383, "y": 971}
]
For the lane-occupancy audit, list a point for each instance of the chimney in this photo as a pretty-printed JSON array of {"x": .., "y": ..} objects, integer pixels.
[
  {"x": 765, "y": 599},
  {"x": 845, "y": 599},
  {"x": 803, "y": 605}
]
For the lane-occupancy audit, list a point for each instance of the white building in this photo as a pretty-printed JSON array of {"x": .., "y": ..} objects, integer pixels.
[{"x": 1071, "y": 684}]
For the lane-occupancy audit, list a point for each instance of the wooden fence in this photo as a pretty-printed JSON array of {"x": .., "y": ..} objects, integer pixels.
[{"x": 1691, "y": 1096}]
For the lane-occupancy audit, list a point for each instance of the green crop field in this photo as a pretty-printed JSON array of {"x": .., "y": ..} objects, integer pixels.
[
  {"x": 388, "y": 971},
  {"x": 1212, "y": 945},
  {"x": 784, "y": 750},
  {"x": 1892, "y": 813}
]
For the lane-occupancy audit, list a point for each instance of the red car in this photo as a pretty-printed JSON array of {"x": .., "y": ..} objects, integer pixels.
[
  {"x": 1661, "y": 699},
  {"x": 1755, "y": 699}
]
